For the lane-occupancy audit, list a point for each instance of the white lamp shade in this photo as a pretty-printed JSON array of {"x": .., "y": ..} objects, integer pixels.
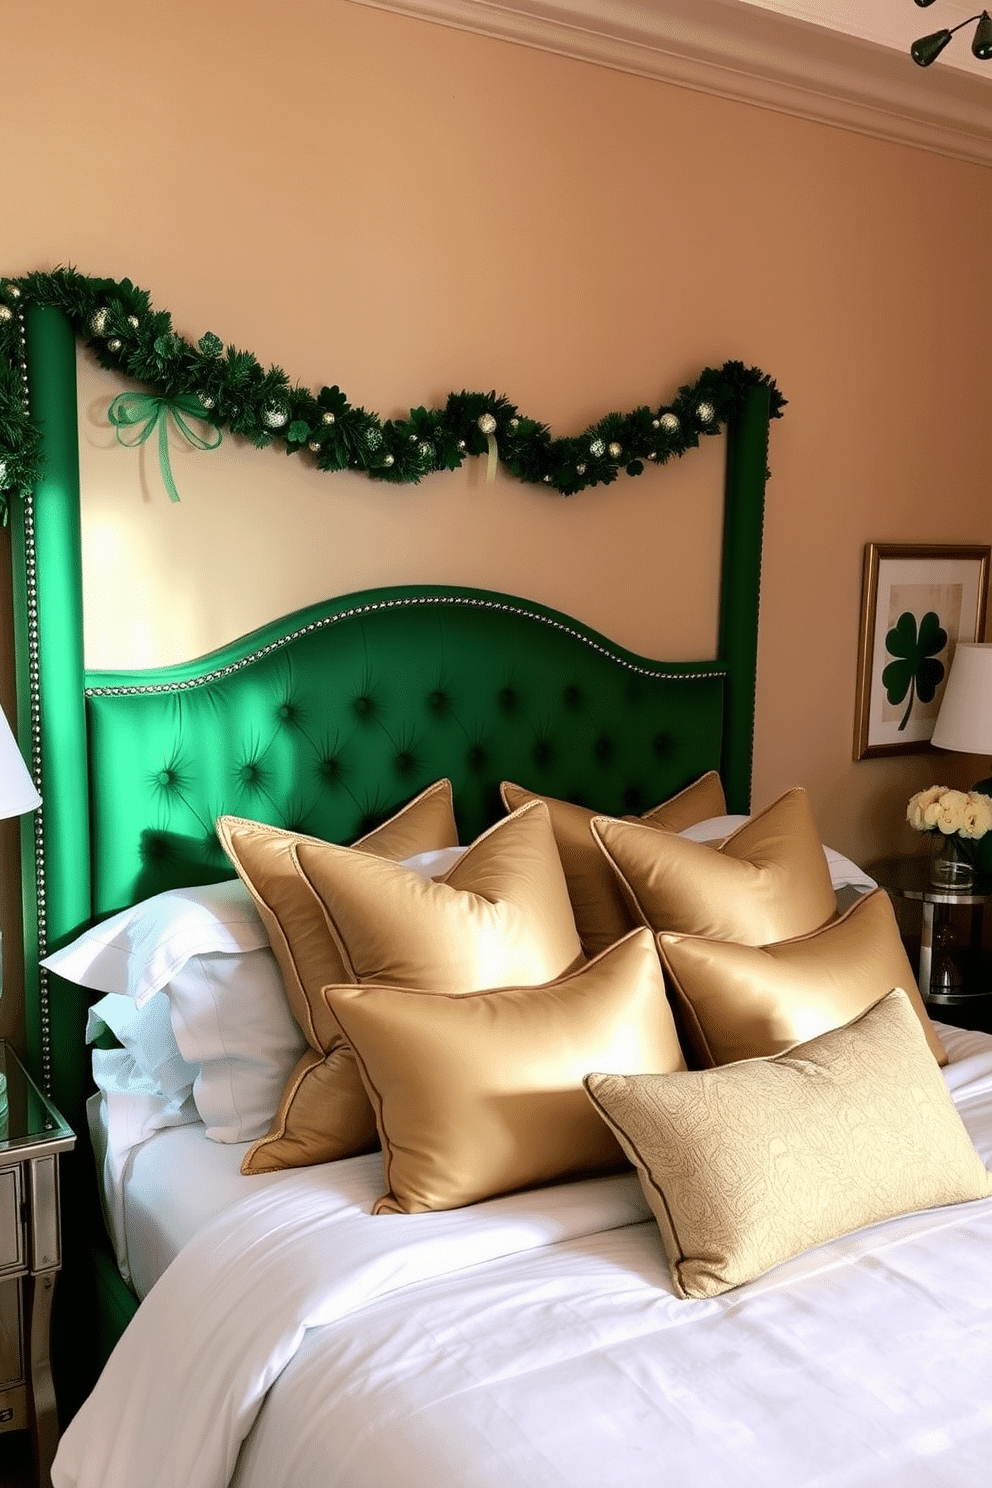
[
  {"x": 965, "y": 718},
  {"x": 17, "y": 792}
]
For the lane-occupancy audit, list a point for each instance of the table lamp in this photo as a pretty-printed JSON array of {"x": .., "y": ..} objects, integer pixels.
[
  {"x": 17, "y": 792},
  {"x": 964, "y": 722}
]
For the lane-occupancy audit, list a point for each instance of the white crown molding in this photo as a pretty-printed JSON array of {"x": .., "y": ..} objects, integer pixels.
[{"x": 747, "y": 53}]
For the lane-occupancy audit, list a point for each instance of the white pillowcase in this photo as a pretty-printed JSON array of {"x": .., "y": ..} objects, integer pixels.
[
  {"x": 230, "y": 1016},
  {"x": 434, "y": 864},
  {"x": 207, "y": 950},
  {"x": 146, "y": 1034},
  {"x": 135, "y": 953}
]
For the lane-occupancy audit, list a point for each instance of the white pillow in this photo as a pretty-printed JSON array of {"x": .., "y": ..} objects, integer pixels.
[
  {"x": 230, "y": 1016},
  {"x": 843, "y": 873},
  {"x": 221, "y": 1031},
  {"x": 436, "y": 863},
  {"x": 146, "y": 1033},
  {"x": 136, "y": 952}
]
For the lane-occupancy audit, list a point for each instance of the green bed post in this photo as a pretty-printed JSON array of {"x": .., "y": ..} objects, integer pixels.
[
  {"x": 49, "y": 648},
  {"x": 747, "y": 458}
]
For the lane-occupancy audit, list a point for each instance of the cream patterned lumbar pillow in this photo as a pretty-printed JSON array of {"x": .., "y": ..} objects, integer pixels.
[
  {"x": 767, "y": 881},
  {"x": 601, "y": 915},
  {"x": 481, "y": 1093},
  {"x": 738, "y": 1002},
  {"x": 753, "y": 1162},
  {"x": 323, "y": 1112}
]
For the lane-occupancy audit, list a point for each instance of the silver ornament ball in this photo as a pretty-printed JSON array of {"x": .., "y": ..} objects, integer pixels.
[
  {"x": 6, "y": 313},
  {"x": 706, "y": 413},
  {"x": 487, "y": 423},
  {"x": 114, "y": 344},
  {"x": 328, "y": 417},
  {"x": 615, "y": 451},
  {"x": 669, "y": 422},
  {"x": 98, "y": 322},
  {"x": 597, "y": 448},
  {"x": 274, "y": 417}
]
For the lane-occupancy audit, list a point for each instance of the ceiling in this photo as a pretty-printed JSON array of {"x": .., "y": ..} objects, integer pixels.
[
  {"x": 840, "y": 62},
  {"x": 891, "y": 23}
]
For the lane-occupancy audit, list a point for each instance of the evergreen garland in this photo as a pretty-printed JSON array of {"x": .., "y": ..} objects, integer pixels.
[{"x": 117, "y": 322}]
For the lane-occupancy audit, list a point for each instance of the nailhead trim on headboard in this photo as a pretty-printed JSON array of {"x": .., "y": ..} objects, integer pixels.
[{"x": 368, "y": 609}]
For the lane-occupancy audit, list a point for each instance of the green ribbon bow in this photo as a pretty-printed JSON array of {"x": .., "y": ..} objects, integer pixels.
[{"x": 136, "y": 415}]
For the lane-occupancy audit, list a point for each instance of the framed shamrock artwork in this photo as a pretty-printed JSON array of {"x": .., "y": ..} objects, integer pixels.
[{"x": 916, "y": 604}]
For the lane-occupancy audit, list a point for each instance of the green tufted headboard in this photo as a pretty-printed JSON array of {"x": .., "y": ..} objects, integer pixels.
[
  {"x": 332, "y": 719},
  {"x": 328, "y": 720}
]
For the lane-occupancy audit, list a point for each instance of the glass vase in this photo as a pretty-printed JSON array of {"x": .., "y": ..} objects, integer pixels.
[{"x": 950, "y": 868}]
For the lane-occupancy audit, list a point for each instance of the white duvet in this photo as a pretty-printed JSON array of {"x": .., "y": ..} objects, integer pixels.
[{"x": 535, "y": 1342}]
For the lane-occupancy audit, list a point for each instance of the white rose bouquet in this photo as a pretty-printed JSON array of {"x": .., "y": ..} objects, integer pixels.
[{"x": 966, "y": 814}]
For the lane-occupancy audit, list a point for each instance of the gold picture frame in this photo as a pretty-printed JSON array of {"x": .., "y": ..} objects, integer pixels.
[{"x": 917, "y": 602}]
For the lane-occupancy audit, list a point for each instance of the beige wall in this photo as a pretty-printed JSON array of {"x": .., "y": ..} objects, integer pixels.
[{"x": 406, "y": 209}]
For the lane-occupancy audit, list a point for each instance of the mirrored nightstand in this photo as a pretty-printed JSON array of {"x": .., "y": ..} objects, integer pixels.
[
  {"x": 954, "y": 977},
  {"x": 32, "y": 1134}
]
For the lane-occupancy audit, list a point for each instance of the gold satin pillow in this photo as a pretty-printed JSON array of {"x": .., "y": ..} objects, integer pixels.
[
  {"x": 601, "y": 915},
  {"x": 481, "y": 1094},
  {"x": 500, "y": 917},
  {"x": 754, "y": 1162},
  {"x": 740, "y": 1002},
  {"x": 767, "y": 881},
  {"x": 323, "y": 1111}
]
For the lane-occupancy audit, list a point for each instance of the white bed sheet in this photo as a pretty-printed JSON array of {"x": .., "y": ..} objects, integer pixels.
[
  {"x": 176, "y": 1182},
  {"x": 535, "y": 1341}
]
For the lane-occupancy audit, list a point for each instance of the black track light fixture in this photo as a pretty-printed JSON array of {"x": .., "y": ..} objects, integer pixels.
[
  {"x": 929, "y": 48},
  {"x": 981, "y": 46}
]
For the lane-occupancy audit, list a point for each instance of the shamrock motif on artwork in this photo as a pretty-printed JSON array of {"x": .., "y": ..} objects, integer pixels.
[{"x": 915, "y": 673}]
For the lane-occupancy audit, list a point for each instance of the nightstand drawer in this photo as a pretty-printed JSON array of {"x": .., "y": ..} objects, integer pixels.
[{"x": 11, "y": 1228}]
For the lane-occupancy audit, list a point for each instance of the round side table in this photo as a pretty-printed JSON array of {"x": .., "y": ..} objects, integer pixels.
[{"x": 909, "y": 878}]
